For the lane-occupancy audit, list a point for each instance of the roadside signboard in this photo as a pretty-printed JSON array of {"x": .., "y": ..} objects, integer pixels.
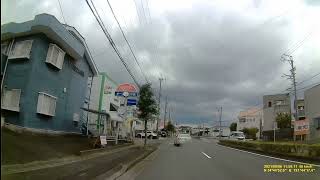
[
  {"x": 132, "y": 94},
  {"x": 301, "y": 127},
  {"x": 103, "y": 140},
  {"x": 131, "y": 102}
]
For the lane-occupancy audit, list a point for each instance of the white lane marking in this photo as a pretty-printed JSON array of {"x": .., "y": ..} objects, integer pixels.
[
  {"x": 206, "y": 155},
  {"x": 287, "y": 160}
]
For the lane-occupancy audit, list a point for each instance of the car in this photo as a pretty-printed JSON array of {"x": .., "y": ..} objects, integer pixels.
[
  {"x": 150, "y": 135},
  {"x": 237, "y": 135},
  {"x": 181, "y": 138},
  {"x": 163, "y": 134}
]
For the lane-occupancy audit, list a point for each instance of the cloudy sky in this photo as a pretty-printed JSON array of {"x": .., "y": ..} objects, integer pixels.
[{"x": 212, "y": 53}]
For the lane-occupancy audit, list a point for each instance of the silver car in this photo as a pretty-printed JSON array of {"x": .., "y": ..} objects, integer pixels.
[
  {"x": 181, "y": 138},
  {"x": 237, "y": 135}
]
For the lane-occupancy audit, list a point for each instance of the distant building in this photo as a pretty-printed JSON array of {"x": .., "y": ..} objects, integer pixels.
[
  {"x": 47, "y": 69},
  {"x": 215, "y": 131},
  {"x": 272, "y": 105},
  {"x": 312, "y": 111},
  {"x": 251, "y": 118}
]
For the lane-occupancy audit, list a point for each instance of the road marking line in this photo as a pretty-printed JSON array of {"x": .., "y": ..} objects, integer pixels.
[
  {"x": 287, "y": 160},
  {"x": 206, "y": 155}
]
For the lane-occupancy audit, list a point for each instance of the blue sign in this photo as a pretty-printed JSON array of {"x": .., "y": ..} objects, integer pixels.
[
  {"x": 132, "y": 94},
  {"x": 131, "y": 102}
]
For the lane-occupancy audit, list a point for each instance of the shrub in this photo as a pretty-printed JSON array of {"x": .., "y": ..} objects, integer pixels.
[{"x": 287, "y": 149}]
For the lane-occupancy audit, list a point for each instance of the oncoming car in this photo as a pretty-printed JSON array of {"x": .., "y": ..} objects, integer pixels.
[{"x": 181, "y": 138}]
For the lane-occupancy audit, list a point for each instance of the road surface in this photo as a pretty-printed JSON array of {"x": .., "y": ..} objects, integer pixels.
[{"x": 204, "y": 159}]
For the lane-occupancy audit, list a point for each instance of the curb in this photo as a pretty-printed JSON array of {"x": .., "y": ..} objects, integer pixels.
[
  {"x": 129, "y": 165},
  {"x": 36, "y": 165},
  {"x": 99, "y": 150}
]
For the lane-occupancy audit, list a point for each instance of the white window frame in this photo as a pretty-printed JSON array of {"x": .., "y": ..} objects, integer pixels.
[
  {"x": 58, "y": 63},
  {"x": 27, "y": 50},
  {"x": 76, "y": 117},
  {"x": 40, "y": 104},
  {"x": 11, "y": 106}
]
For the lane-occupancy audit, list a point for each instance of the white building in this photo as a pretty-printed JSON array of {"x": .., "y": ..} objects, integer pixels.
[
  {"x": 251, "y": 118},
  {"x": 103, "y": 99}
]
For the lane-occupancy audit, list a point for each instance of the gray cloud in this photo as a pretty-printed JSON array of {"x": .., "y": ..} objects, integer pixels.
[{"x": 209, "y": 57}]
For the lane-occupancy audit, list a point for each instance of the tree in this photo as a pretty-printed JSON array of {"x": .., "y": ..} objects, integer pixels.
[
  {"x": 283, "y": 120},
  {"x": 233, "y": 126},
  {"x": 170, "y": 127},
  {"x": 147, "y": 106},
  {"x": 250, "y": 133}
]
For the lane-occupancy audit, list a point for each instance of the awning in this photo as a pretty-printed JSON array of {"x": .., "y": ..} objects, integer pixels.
[{"x": 114, "y": 116}]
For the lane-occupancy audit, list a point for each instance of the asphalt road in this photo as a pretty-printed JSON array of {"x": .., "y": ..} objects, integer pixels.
[{"x": 204, "y": 159}]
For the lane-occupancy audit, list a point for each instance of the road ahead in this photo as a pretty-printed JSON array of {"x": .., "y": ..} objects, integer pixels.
[{"x": 204, "y": 159}]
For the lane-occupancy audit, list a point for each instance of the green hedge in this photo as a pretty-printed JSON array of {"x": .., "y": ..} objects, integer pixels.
[{"x": 287, "y": 149}]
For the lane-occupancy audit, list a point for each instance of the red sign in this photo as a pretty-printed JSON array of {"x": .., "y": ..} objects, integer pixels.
[
  {"x": 126, "y": 88},
  {"x": 301, "y": 127}
]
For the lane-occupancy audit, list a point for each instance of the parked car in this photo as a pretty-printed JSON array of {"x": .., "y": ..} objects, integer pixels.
[
  {"x": 163, "y": 134},
  {"x": 236, "y": 135},
  {"x": 150, "y": 135},
  {"x": 181, "y": 138}
]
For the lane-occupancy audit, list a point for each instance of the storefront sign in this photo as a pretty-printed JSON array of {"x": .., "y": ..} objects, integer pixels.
[{"x": 301, "y": 127}]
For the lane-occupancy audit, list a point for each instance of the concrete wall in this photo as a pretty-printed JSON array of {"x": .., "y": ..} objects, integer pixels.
[
  {"x": 312, "y": 110},
  {"x": 269, "y": 113},
  {"x": 34, "y": 75}
]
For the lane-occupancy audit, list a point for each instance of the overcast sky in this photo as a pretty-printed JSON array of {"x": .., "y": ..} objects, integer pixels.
[{"x": 212, "y": 52}]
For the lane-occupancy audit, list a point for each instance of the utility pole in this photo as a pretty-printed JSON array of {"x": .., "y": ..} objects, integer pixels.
[
  {"x": 292, "y": 77},
  {"x": 165, "y": 112},
  {"x": 169, "y": 114},
  {"x": 220, "y": 122},
  {"x": 159, "y": 105}
]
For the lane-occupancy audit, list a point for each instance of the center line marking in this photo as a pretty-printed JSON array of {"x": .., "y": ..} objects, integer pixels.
[{"x": 206, "y": 155}]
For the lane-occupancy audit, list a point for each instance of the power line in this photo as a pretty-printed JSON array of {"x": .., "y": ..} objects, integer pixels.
[
  {"x": 308, "y": 79},
  {"x": 135, "y": 4},
  {"x": 144, "y": 14},
  {"x": 147, "y": 2},
  {"x": 125, "y": 38},
  {"x": 105, "y": 31},
  {"x": 298, "y": 44},
  {"x": 62, "y": 12}
]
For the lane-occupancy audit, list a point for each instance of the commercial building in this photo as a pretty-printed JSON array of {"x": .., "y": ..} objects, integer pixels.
[
  {"x": 251, "y": 118},
  {"x": 45, "y": 75},
  {"x": 312, "y": 111},
  {"x": 102, "y": 99}
]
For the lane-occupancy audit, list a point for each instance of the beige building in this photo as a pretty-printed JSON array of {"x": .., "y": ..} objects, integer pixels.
[
  {"x": 251, "y": 118},
  {"x": 272, "y": 105},
  {"x": 312, "y": 111}
]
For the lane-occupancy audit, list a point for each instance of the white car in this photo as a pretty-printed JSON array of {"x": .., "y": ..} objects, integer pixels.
[
  {"x": 150, "y": 135},
  {"x": 236, "y": 135},
  {"x": 181, "y": 138}
]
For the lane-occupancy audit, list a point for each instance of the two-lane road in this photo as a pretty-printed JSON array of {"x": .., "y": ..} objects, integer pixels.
[{"x": 204, "y": 159}]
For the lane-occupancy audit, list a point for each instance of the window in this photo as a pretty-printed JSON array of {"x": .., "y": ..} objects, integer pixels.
[
  {"x": 21, "y": 49},
  {"x": 11, "y": 100},
  {"x": 279, "y": 102},
  {"x": 269, "y": 104},
  {"x": 317, "y": 123},
  {"x": 46, "y": 104},
  {"x": 76, "y": 117},
  {"x": 4, "y": 47},
  {"x": 55, "y": 56}
]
